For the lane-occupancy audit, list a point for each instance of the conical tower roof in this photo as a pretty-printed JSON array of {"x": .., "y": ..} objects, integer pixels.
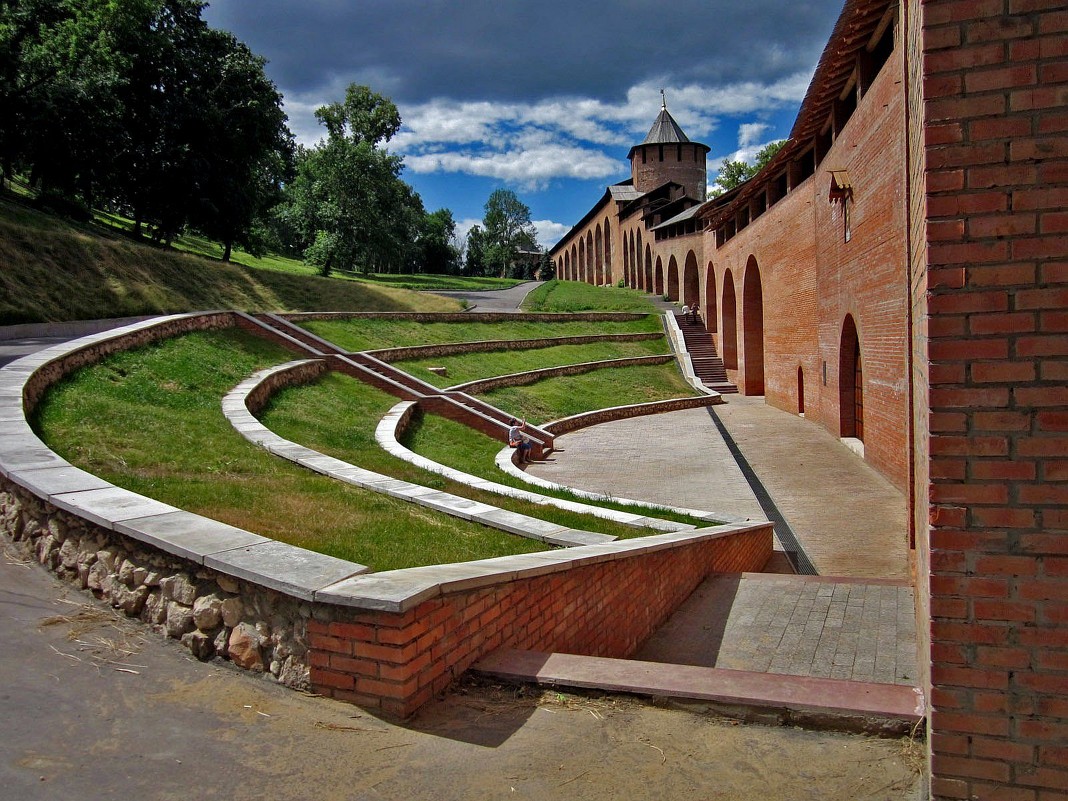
[{"x": 665, "y": 130}]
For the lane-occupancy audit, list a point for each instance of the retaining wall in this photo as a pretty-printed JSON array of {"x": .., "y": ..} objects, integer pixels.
[{"x": 390, "y": 640}]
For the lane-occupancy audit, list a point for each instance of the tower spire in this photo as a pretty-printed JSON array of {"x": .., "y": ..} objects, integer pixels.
[{"x": 663, "y": 100}]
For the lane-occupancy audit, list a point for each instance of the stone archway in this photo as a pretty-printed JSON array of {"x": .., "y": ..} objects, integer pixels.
[
  {"x": 729, "y": 337},
  {"x": 850, "y": 382},
  {"x": 752, "y": 329},
  {"x": 658, "y": 277}
]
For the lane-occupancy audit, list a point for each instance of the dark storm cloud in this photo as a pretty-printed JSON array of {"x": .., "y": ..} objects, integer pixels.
[{"x": 494, "y": 49}]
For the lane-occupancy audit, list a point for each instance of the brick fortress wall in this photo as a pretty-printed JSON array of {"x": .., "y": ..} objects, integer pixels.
[{"x": 995, "y": 86}]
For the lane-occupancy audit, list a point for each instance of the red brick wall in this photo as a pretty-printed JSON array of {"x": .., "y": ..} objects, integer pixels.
[
  {"x": 811, "y": 279},
  {"x": 396, "y": 662},
  {"x": 866, "y": 277},
  {"x": 995, "y": 89},
  {"x": 782, "y": 241},
  {"x": 690, "y": 172}
]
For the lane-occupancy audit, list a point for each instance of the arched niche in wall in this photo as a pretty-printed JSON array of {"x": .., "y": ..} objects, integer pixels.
[
  {"x": 711, "y": 312},
  {"x": 753, "y": 329},
  {"x": 850, "y": 381},
  {"x": 729, "y": 338},
  {"x": 691, "y": 281},
  {"x": 673, "y": 279}
]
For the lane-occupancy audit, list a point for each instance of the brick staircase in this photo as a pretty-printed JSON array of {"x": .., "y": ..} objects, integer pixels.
[
  {"x": 707, "y": 365},
  {"x": 457, "y": 406}
]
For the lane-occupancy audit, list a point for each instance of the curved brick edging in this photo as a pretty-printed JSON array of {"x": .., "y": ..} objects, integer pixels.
[
  {"x": 598, "y": 416},
  {"x": 397, "y": 420},
  {"x": 487, "y": 345},
  {"x": 532, "y": 376},
  {"x": 241, "y": 403},
  {"x": 388, "y": 641},
  {"x": 467, "y": 317}
]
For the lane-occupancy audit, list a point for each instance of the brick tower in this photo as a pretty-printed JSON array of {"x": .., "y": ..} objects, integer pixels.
[{"x": 667, "y": 154}]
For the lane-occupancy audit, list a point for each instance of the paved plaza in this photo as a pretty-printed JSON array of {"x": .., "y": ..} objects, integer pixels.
[{"x": 855, "y": 621}]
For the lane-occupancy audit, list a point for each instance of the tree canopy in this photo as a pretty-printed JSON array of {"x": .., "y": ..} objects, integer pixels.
[
  {"x": 141, "y": 107},
  {"x": 734, "y": 173},
  {"x": 506, "y": 231}
]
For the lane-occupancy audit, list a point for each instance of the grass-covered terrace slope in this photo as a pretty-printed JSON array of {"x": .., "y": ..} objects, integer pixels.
[
  {"x": 55, "y": 270},
  {"x": 360, "y": 334},
  {"x": 150, "y": 420}
]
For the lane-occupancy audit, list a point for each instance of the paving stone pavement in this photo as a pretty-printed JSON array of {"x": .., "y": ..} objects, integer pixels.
[
  {"x": 856, "y": 621},
  {"x": 859, "y": 630}
]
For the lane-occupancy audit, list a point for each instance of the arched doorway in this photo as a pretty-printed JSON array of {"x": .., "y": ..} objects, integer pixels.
[
  {"x": 753, "y": 329},
  {"x": 658, "y": 277},
  {"x": 850, "y": 382},
  {"x": 574, "y": 263},
  {"x": 800, "y": 391},
  {"x": 582, "y": 260},
  {"x": 711, "y": 296},
  {"x": 729, "y": 340}
]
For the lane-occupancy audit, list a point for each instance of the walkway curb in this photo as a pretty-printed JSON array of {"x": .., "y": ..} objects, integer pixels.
[{"x": 833, "y": 704}]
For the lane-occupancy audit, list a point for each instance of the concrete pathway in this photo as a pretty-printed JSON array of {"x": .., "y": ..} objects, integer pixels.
[
  {"x": 848, "y": 519},
  {"x": 494, "y": 300}
]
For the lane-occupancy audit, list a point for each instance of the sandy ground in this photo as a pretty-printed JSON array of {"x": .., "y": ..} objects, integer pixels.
[{"x": 96, "y": 707}]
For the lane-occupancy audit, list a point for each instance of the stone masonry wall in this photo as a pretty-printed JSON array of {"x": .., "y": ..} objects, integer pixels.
[{"x": 211, "y": 613}]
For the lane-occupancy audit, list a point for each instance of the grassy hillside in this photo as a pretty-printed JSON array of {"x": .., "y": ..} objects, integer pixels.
[{"x": 52, "y": 270}]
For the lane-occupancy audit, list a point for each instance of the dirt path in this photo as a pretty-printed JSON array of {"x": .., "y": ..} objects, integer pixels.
[{"x": 96, "y": 707}]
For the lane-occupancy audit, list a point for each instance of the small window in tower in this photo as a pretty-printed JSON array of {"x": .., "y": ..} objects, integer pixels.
[
  {"x": 678, "y": 152},
  {"x": 644, "y": 155},
  {"x": 661, "y": 149}
]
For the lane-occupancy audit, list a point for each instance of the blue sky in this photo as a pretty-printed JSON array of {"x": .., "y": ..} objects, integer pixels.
[{"x": 541, "y": 97}]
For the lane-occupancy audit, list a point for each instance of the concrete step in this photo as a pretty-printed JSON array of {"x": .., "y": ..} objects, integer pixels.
[{"x": 818, "y": 703}]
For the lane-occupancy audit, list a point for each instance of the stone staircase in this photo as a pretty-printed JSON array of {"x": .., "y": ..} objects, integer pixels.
[{"x": 707, "y": 365}]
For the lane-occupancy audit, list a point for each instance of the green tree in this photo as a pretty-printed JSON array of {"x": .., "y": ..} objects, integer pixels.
[
  {"x": 248, "y": 150},
  {"x": 735, "y": 173},
  {"x": 475, "y": 260},
  {"x": 508, "y": 230},
  {"x": 435, "y": 251},
  {"x": 348, "y": 202}
]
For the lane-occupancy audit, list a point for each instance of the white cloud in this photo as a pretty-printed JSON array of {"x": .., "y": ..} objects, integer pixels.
[
  {"x": 532, "y": 144},
  {"x": 549, "y": 232}
]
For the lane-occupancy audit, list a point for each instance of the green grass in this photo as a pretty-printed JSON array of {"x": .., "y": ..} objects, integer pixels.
[
  {"x": 555, "y": 398},
  {"x": 577, "y": 296},
  {"x": 54, "y": 270},
  {"x": 445, "y": 283},
  {"x": 453, "y": 444},
  {"x": 337, "y": 415},
  {"x": 360, "y": 335},
  {"x": 466, "y": 367},
  {"x": 150, "y": 420}
]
